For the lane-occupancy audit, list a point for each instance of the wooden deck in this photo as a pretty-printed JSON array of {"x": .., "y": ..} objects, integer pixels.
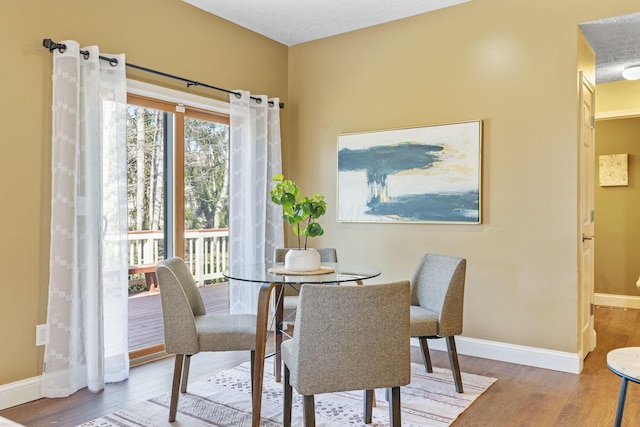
[{"x": 145, "y": 313}]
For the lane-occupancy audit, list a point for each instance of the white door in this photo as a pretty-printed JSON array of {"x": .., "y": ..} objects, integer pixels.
[{"x": 587, "y": 182}]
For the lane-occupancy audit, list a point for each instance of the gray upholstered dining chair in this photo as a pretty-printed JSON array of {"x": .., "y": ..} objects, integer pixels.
[
  {"x": 188, "y": 329},
  {"x": 437, "y": 299},
  {"x": 349, "y": 338},
  {"x": 291, "y": 292}
]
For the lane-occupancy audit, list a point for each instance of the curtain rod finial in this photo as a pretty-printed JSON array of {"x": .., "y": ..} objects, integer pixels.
[{"x": 51, "y": 45}]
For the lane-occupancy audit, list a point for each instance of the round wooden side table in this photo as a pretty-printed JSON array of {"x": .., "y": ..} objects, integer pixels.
[{"x": 624, "y": 362}]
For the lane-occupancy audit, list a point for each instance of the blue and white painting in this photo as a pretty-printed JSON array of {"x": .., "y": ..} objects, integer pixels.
[{"x": 422, "y": 174}]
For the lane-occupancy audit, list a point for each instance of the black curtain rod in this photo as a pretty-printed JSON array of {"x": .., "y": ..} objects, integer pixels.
[{"x": 51, "y": 45}]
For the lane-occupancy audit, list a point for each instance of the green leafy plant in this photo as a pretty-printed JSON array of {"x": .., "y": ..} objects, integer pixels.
[{"x": 300, "y": 212}]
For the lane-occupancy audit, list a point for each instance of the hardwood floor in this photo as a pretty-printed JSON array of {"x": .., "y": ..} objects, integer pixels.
[{"x": 522, "y": 396}]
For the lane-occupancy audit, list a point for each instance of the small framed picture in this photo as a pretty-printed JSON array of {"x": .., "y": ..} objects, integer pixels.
[{"x": 613, "y": 170}]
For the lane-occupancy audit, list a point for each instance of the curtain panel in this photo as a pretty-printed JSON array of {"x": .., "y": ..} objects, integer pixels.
[
  {"x": 255, "y": 223},
  {"x": 87, "y": 307}
]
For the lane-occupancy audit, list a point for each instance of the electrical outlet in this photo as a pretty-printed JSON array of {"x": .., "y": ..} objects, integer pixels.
[{"x": 42, "y": 334}]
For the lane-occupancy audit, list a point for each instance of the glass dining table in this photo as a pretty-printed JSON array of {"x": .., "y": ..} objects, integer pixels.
[{"x": 271, "y": 277}]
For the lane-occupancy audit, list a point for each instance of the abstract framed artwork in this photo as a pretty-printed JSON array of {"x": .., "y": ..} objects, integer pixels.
[{"x": 429, "y": 174}]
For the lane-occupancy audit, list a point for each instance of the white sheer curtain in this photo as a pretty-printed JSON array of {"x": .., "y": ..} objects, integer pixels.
[
  {"x": 87, "y": 311},
  {"x": 255, "y": 225}
]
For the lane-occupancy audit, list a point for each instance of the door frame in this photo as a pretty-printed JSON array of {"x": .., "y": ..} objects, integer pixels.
[{"x": 587, "y": 334}]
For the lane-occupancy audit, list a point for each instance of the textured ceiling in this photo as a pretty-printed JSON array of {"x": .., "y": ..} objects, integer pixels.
[
  {"x": 297, "y": 21},
  {"x": 616, "y": 43}
]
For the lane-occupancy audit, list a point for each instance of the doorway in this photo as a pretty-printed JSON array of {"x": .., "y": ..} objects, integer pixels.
[{"x": 615, "y": 43}]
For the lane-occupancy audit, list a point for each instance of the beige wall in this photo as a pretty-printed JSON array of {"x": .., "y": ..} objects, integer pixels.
[
  {"x": 511, "y": 64},
  {"x": 616, "y": 228},
  {"x": 167, "y": 35}
]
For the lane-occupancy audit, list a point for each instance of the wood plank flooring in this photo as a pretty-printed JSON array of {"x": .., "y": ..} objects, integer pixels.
[{"x": 522, "y": 396}]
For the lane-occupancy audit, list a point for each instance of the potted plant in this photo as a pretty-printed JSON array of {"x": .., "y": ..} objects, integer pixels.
[{"x": 301, "y": 212}]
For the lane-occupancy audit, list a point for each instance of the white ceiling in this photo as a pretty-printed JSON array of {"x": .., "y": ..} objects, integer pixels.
[
  {"x": 291, "y": 22},
  {"x": 615, "y": 41}
]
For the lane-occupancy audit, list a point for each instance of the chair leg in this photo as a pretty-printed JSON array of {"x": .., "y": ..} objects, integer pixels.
[
  {"x": 621, "y": 398},
  {"x": 455, "y": 367},
  {"x": 367, "y": 410},
  {"x": 253, "y": 364},
  {"x": 177, "y": 373},
  {"x": 425, "y": 354},
  {"x": 185, "y": 373},
  {"x": 394, "y": 408},
  {"x": 286, "y": 422},
  {"x": 309, "y": 411},
  {"x": 277, "y": 337}
]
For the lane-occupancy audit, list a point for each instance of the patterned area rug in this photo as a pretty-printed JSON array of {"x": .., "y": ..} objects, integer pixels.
[{"x": 225, "y": 400}]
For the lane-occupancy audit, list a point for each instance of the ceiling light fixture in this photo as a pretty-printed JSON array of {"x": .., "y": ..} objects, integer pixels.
[{"x": 632, "y": 72}]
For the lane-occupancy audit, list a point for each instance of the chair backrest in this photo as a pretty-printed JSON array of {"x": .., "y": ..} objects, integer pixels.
[
  {"x": 326, "y": 254},
  {"x": 351, "y": 338},
  {"x": 438, "y": 286},
  {"x": 181, "y": 302}
]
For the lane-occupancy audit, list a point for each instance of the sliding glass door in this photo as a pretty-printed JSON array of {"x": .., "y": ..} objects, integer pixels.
[{"x": 178, "y": 204}]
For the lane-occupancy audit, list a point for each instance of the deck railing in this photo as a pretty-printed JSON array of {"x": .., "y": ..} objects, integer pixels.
[{"x": 206, "y": 251}]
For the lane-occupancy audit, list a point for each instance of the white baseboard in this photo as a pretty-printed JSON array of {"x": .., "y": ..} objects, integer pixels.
[
  {"x": 612, "y": 300},
  {"x": 511, "y": 353},
  {"x": 20, "y": 392},
  {"x": 28, "y": 390},
  {"x": 530, "y": 356}
]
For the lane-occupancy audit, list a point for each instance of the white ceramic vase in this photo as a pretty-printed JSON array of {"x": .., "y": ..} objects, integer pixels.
[{"x": 302, "y": 260}]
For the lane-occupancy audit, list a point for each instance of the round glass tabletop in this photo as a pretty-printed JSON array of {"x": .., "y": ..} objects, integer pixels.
[{"x": 275, "y": 273}]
